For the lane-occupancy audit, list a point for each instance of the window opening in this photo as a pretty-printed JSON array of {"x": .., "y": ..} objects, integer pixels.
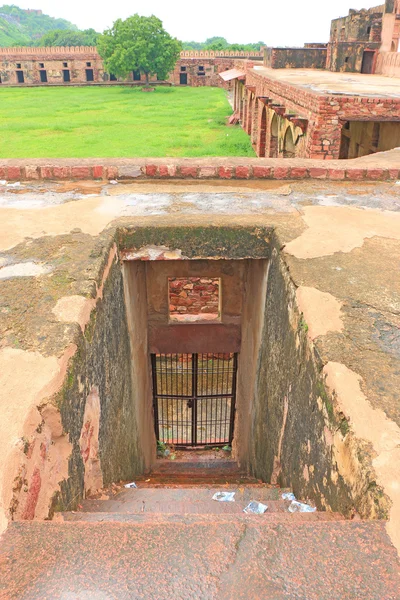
[
  {"x": 88, "y": 64},
  {"x": 194, "y": 299},
  {"x": 65, "y": 64},
  {"x": 113, "y": 77},
  {"x": 41, "y": 65}
]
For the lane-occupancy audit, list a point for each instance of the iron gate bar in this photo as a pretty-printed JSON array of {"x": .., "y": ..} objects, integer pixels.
[{"x": 194, "y": 398}]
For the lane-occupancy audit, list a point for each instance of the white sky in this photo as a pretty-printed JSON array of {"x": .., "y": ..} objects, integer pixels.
[{"x": 286, "y": 23}]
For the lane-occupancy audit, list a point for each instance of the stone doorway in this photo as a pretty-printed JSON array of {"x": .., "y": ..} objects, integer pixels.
[{"x": 194, "y": 398}]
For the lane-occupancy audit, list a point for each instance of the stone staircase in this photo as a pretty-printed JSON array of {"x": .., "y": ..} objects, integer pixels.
[{"x": 168, "y": 539}]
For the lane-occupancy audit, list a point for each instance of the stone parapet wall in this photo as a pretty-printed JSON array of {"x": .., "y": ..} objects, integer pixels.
[
  {"x": 382, "y": 167},
  {"x": 220, "y": 54},
  {"x": 40, "y": 52}
]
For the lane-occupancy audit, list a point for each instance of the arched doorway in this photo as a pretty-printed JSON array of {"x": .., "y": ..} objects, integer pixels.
[
  {"x": 262, "y": 133},
  {"x": 250, "y": 114},
  {"x": 254, "y": 123},
  {"x": 289, "y": 148},
  {"x": 273, "y": 144}
]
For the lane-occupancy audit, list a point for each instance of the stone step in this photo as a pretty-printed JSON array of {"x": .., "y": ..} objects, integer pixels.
[
  {"x": 141, "y": 518},
  {"x": 209, "y": 557},
  {"x": 176, "y": 499}
]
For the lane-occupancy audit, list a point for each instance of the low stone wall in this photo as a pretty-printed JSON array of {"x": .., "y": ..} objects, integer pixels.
[
  {"x": 300, "y": 437},
  {"x": 382, "y": 167}
]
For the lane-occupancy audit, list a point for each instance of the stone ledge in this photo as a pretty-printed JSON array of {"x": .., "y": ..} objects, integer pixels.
[{"x": 379, "y": 168}]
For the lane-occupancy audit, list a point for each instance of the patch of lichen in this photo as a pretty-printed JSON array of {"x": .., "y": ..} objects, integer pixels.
[{"x": 201, "y": 242}]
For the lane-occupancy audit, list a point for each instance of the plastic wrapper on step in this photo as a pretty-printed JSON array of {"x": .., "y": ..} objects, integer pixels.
[
  {"x": 300, "y": 507},
  {"x": 130, "y": 485},
  {"x": 289, "y": 496},
  {"x": 255, "y": 508},
  {"x": 224, "y": 496}
]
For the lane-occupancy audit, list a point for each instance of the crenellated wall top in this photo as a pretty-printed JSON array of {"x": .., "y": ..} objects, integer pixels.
[
  {"x": 218, "y": 54},
  {"x": 27, "y": 50}
]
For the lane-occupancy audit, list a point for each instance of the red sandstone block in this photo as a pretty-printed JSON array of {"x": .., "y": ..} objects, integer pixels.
[
  {"x": 355, "y": 174},
  {"x": 318, "y": 173},
  {"x": 242, "y": 172},
  {"x": 262, "y": 172},
  {"x": 394, "y": 174},
  {"x": 163, "y": 171},
  {"x": 225, "y": 172},
  {"x": 281, "y": 172},
  {"x": 377, "y": 174},
  {"x": 98, "y": 172},
  {"x": 13, "y": 173},
  {"x": 336, "y": 174},
  {"x": 46, "y": 173},
  {"x": 167, "y": 170},
  {"x": 207, "y": 172},
  {"x": 81, "y": 172},
  {"x": 299, "y": 173},
  {"x": 112, "y": 173},
  {"x": 31, "y": 172},
  {"x": 62, "y": 172},
  {"x": 3, "y": 173},
  {"x": 151, "y": 170},
  {"x": 189, "y": 172}
]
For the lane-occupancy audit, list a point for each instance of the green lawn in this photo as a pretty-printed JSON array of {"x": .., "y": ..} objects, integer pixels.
[{"x": 118, "y": 122}]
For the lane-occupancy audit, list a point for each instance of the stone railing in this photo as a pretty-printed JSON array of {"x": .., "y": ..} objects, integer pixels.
[
  {"x": 219, "y": 54},
  {"x": 388, "y": 63}
]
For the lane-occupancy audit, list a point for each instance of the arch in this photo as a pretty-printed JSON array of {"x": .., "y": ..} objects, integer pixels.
[
  {"x": 289, "y": 148},
  {"x": 263, "y": 132},
  {"x": 250, "y": 111},
  {"x": 254, "y": 123},
  {"x": 273, "y": 143}
]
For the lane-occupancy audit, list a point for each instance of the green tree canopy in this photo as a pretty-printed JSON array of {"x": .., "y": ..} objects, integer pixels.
[
  {"x": 139, "y": 44},
  {"x": 65, "y": 37}
]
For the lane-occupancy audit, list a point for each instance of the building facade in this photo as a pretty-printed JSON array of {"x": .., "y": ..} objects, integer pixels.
[{"x": 83, "y": 65}]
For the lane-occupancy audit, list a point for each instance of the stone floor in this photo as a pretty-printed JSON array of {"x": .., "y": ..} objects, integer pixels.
[{"x": 175, "y": 542}]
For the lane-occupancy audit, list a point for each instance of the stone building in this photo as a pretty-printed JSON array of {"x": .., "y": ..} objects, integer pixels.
[
  {"x": 357, "y": 40},
  {"x": 316, "y": 114},
  {"x": 83, "y": 65}
]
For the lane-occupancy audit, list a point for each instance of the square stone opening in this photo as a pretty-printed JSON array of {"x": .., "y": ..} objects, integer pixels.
[{"x": 194, "y": 299}]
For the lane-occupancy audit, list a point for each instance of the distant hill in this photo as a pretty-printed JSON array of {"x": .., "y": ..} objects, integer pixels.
[{"x": 20, "y": 27}]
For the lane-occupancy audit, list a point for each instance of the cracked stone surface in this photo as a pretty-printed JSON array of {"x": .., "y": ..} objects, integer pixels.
[
  {"x": 342, "y": 239},
  {"x": 196, "y": 557}
]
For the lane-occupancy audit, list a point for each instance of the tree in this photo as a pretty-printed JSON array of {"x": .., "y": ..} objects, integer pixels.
[
  {"x": 139, "y": 44},
  {"x": 65, "y": 37}
]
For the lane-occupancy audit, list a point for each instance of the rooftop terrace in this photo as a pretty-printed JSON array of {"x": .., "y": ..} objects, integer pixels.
[{"x": 327, "y": 82}]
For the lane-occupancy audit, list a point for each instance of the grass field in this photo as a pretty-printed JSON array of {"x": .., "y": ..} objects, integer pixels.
[{"x": 118, "y": 122}]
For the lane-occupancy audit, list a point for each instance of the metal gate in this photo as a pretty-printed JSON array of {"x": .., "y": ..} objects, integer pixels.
[{"x": 194, "y": 398}]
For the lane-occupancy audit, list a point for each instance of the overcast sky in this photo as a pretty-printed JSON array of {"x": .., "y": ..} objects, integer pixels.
[{"x": 286, "y": 23}]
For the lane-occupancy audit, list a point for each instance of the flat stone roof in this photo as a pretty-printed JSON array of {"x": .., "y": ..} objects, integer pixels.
[{"x": 328, "y": 82}]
